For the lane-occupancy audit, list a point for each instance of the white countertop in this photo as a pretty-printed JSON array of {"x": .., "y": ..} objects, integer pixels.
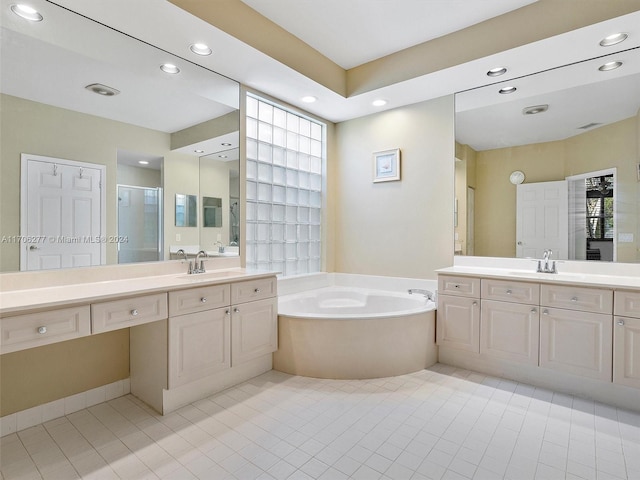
[
  {"x": 22, "y": 301},
  {"x": 582, "y": 279}
]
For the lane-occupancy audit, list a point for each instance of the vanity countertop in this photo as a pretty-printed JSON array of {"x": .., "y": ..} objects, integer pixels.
[
  {"x": 583, "y": 279},
  {"x": 28, "y": 300}
]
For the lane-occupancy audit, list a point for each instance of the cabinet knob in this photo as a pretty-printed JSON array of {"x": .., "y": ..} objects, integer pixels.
[
  {"x": 257, "y": 290},
  {"x": 574, "y": 299},
  {"x": 533, "y": 310},
  {"x": 203, "y": 300},
  {"x": 227, "y": 312},
  {"x": 42, "y": 330},
  {"x": 457, "y": 286},
  {"x": 545, "y": 312},
  {"x": 474, "y": 303},
  {"x": 621, "y": 322},
  {"x": 236, "y": 310},
  {"x": 134, "y": 312},
  {"x": 509, "y": 292}
]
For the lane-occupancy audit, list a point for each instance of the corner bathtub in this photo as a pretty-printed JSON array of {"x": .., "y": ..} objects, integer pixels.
[{"x": 343, "y": 332}]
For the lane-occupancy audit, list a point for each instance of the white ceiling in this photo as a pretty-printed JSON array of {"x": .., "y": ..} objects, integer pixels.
[
  {"x": 166, "y": 26},
  {"x": 354, "y": 32}
]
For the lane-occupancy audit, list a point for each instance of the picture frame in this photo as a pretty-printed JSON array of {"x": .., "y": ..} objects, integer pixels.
[{"x": 386, "y": 166}]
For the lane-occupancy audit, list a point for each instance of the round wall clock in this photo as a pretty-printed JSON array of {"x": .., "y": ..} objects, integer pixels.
[{"x": 516, "y": 177}]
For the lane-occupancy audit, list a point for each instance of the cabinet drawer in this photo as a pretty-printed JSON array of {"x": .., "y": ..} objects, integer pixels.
[
  {"x": 627, "y": 304},
  {"x": 508, "y": 291},
  {"x": 195, "y": 300},
  {"x": 129, "y": 312},
  {"x": 461, "y": 286},
  {"x": 33, "y": 330},
  {"x": 577, "y": 298},
  {"x": 253, "y": 290}
]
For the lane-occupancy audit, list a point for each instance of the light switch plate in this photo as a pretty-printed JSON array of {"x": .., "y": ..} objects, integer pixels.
[{"x": 625, "y": 237}]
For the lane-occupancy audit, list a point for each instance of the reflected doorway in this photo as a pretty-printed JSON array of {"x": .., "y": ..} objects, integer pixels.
[{"x": 139, "y": 224}]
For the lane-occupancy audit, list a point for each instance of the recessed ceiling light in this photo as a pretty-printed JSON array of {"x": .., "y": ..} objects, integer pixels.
[
  {"x": 225, "y": 144},
  {"x": 169, "y": 68},
  {"x": 609, "y": 66},
  {"x": 613, "y": 39},
  {"x": 379, "y": 103},
  {"x": 496, "y": 72},
  {"x": 103, "y": 90},
  {"x": 309, "y": 99},
  {"x": 200, "y": 49},
  {"x": 143, "y": 162},
  {"x": 535, "y": 109},
  {"x": 26, "y": 12},
  {"x": 199, "y": 151},
  {"x": 507, "y": 90}
]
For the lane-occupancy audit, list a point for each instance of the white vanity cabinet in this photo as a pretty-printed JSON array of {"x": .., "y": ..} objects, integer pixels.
[
  {"x": 199, "y": 333},
  {"x": 458, "y": 315},
  {"x": 510, "y": 320},
  {"x": 573, "y": 338},
  {"x": 626, "y": 339},
  {"x": 216, "y": 336}
]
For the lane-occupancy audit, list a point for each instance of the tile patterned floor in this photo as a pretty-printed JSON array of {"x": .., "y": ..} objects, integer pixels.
[{"x": 441, "y": 423}]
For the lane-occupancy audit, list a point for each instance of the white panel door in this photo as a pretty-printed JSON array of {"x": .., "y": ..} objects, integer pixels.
[
  {"x": 510, "y": 331},
  {"x": 254, "y": 330},
  {"x": 579, "y": 343},
  {"x": 626, "y": 351},
  {"x": 542, "y": 219},
  {"x": 458, "y": 323},
  {"x": 61, "y": 214}
]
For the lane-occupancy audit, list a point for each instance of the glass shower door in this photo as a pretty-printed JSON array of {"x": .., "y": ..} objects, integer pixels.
[{"x": 139, "y": 224}]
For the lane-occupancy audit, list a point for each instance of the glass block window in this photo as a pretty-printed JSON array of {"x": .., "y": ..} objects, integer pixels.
[{"x": 285, "y": 152}]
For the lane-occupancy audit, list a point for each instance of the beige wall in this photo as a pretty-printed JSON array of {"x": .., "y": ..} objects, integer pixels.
[
  {"x": 214, "y": 182},
  {"x": 44, "y": 374},
  {"x": 31, "y": 127},
  {"x": 138, "y": 176},
  {"x": 605, "y": 147},
  {"x": 402, "y": 228},
  {"x": 465, "y": 177}
]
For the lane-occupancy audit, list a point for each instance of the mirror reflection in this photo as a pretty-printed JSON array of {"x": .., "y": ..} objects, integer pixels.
[
  {"x": 88, "y": 95},
  {"x": 553, "y": 165},
  {"x": 211, "y": 212},
  {"x": 186, "y": 210},
  {"x": 220, "y": 186}
]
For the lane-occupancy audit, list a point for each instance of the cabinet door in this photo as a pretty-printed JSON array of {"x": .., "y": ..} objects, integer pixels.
[
  {"x": 199, "y": 345},
  {"x": 458, "y": 323},
  {"x": 510, "y": 331},
  {"x": 575, "y": 342},
  {"x": 626, "y": 351},
  {"x": 254, "y": 330}
]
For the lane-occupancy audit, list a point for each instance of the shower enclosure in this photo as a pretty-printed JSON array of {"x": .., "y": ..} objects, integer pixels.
[{"x": 139, "y": 224}]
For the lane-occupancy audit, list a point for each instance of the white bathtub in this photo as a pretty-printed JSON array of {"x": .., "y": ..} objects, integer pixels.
[{"x": 329, "y": 328}]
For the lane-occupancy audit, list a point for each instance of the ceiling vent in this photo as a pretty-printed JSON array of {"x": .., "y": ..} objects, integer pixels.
[
  {"x": 103, "y": 90},
  {"x": 588, "y": 126}
]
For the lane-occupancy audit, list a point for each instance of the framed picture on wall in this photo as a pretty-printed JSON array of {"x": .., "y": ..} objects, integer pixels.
[{"x": 386, "y": 165}]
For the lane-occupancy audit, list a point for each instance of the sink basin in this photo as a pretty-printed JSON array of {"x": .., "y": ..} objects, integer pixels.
[{"x": 195, "y": 277}]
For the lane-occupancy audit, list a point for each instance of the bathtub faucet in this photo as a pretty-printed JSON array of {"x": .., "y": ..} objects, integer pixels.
[{"x": 428, "y": 294}]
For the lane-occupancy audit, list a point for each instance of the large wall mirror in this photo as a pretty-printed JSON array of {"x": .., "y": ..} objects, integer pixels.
[
  {"x": 100, "y": 132},
  {"x": 554, "y": 164}
]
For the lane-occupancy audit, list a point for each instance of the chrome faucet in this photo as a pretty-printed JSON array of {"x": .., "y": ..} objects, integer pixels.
[
  {"x": 543, "y": 265},
  {"x": 199, "y": 267},
  {"x": 186, "y": 259},
  {"x": 428, "y": 294},
  {"x": 220, "y": 246}
]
